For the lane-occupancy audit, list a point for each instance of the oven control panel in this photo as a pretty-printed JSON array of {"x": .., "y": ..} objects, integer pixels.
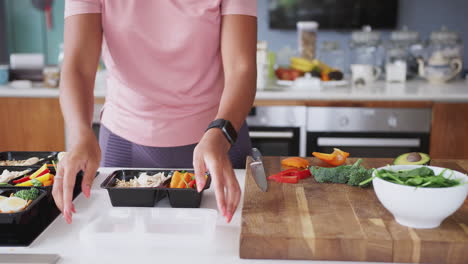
[{"x": 360, "y": 119}]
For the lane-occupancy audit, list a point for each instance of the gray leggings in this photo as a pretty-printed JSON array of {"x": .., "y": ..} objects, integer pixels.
[{"x": 119, "y": 152}]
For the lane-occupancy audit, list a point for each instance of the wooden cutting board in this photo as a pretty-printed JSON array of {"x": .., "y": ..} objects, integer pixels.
[{"x": 317, "y": 221}]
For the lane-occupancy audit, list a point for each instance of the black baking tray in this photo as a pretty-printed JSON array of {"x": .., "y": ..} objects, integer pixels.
[
  {"x": 25, "y": 216},
  {"x": 149, "y": 197},
  {"x": 23, "y": 155}
]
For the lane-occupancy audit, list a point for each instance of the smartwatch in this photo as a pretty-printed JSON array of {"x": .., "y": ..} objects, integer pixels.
[{"x": 227, "y": 129}]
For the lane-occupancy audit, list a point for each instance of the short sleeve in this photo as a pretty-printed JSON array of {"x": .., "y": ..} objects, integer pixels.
[
  {"x": 239, "y": 7},
  {"x": 75, "y": 7}
]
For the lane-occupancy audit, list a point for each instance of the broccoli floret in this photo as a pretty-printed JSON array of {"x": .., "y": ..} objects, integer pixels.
[
  {"x": 359, "y": 175},
  {"x": 346, "y": 174},
  {"x": 30, "y": 194}
]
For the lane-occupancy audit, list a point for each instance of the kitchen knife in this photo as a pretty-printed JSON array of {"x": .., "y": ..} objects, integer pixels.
[{"x": 258, "y": 171}]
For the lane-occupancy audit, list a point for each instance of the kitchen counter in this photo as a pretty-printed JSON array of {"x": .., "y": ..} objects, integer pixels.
[
  {"x": 380, "y": 91},
  {"x": 63, "y": 239}
]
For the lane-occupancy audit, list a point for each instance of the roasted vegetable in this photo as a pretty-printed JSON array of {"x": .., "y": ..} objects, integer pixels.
[
  {"x": 350, "y": 174},
  {"x": 27, "y": 195},
  {"x": 295, "y": 162}
]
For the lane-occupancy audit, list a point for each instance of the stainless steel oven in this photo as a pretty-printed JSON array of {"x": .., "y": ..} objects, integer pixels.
[
  {"x": 368, "y": 132},
  {"x": 278, "y": 130}
]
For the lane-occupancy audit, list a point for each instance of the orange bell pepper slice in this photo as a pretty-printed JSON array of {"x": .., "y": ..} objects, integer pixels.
[
  {"x": 295, "y": 162},
  {"x": 337, "y": 158}
]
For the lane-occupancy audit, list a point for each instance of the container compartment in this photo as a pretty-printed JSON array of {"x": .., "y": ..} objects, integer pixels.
[
  {"x": 44, "y": 156},
  {"x": 148, "y": 197},
  {"x": 133, "y": 196},
  {"x": 25, "y": 216},
  {"x": 147, "y": 229}
]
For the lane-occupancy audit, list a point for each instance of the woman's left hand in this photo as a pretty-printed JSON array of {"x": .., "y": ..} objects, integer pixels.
[{"x": 211, "y": 154}]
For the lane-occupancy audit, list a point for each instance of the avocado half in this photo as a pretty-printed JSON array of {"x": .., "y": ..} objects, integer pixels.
[{"x": 413, "y": 158}]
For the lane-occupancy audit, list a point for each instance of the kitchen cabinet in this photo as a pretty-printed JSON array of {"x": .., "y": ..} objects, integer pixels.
[
  {"x": 31, "y": 124},
  {"x": 449, "y": 130}
]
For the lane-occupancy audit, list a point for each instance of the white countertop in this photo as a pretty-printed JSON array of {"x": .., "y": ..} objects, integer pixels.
[
  {"x": 456, "y": 91},
  {"x": 64, "y": 240}
]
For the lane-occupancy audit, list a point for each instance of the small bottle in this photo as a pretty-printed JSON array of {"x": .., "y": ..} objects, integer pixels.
[{"x": 4, "y": 74}]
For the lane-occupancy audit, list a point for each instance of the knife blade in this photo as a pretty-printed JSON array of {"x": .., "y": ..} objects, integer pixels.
[{"x": 258, "y": 171}]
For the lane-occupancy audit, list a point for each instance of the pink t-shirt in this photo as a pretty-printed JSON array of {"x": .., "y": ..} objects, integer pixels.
[{"x": 165, "y": 75}]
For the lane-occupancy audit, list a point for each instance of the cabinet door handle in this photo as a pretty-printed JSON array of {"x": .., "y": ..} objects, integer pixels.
[
  {"x": 270, "y": 134},
  {"x": 368, "y": 142}
]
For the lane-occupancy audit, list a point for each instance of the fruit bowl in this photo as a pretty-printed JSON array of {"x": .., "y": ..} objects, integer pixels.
[{"x": 421, "y": 207}]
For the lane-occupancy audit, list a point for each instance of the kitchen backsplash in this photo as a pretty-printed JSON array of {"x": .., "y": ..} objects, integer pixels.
[{"x": 27, "y": 32}]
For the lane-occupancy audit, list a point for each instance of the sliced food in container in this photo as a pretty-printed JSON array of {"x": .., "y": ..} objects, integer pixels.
[
  {"x": 182, "y": 191},
  {"x": 26, "y": 158},
  {"x": 125, "y": 189},
  {"x": 19, "y": 206},
  {"x": 144, "y": 188}
]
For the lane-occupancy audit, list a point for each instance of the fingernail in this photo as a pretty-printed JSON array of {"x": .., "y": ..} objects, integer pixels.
[
  {"x": 87, "y": 190},
  {"x": 199, "y": 188}
]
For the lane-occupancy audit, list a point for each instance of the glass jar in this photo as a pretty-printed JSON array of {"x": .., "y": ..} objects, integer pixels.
[
  {"x": 365, "y": 47},
  {"x": 404, "y": 48},
  {"x": 331, "y": 54},
  {"x": 51, "y": 76},
  {"x": 447, "y": 42},
  {"x": 307, "y": 38}
]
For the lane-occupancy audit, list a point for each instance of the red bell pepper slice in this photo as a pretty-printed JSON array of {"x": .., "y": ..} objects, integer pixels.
[
  {"x": 288, "y": 179},
  {"x": 191, "y": 184},
  {"x": 303, "y": 174},
  {"x": 24, "y": 179}
]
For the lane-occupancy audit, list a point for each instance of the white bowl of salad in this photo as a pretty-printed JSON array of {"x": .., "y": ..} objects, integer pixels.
[{"x": 420, "y": 196}]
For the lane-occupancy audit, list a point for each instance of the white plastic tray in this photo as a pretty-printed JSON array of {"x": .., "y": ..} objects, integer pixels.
[{"x": 150, "y": 226}]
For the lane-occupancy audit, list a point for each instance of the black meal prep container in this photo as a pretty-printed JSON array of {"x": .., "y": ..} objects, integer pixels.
[
  {"x": 149, "y": 197},
  {"x": 76, "y": 190},
  {"x": 44, "y": 156},
  {"x": 25, "y": 216},
  {"x": 21, "y": 228},
  {"x": 24, "y": 233}
]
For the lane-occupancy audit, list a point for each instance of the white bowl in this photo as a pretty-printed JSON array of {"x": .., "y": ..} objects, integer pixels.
[{"x": 420, "y": 207}]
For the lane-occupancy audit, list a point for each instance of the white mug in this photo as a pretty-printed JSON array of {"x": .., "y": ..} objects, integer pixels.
[{"x": 365, "y": 73}]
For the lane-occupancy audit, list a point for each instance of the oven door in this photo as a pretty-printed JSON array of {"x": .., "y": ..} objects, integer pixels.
[
  {"x": 371, "y": 145},
  {"x": 275, "y": 141}
]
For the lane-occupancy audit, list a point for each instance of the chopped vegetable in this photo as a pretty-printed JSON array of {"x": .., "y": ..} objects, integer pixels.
[
  {"x": 36, "y": 183},
  {"x": 184, "y": 180},
  {"x": 290, "y": 176},
  {"x": 30, "y": 194},
  {"x": 42, "y": 179},
  {"x": 41, "y": 171},
  {"x": 295, "y": 162},
  {"x": 419, "y": 177},
  {"x": 337, "y": 158},
  {"x": 347, "y": 174}
]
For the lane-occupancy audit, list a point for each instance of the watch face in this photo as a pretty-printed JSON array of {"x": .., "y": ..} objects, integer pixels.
[{"x": 230, "y": 131}]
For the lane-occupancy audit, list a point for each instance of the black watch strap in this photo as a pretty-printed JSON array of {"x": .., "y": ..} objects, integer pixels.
[{"x": 227, "y": 129}]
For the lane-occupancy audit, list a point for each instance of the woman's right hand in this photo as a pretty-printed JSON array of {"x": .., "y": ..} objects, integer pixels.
[{"x": 84, "y": 156}]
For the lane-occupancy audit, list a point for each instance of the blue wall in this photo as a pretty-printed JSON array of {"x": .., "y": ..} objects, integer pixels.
[
  {"x": 27, "y": 33},
  {"x": 423, "y": 16}
]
